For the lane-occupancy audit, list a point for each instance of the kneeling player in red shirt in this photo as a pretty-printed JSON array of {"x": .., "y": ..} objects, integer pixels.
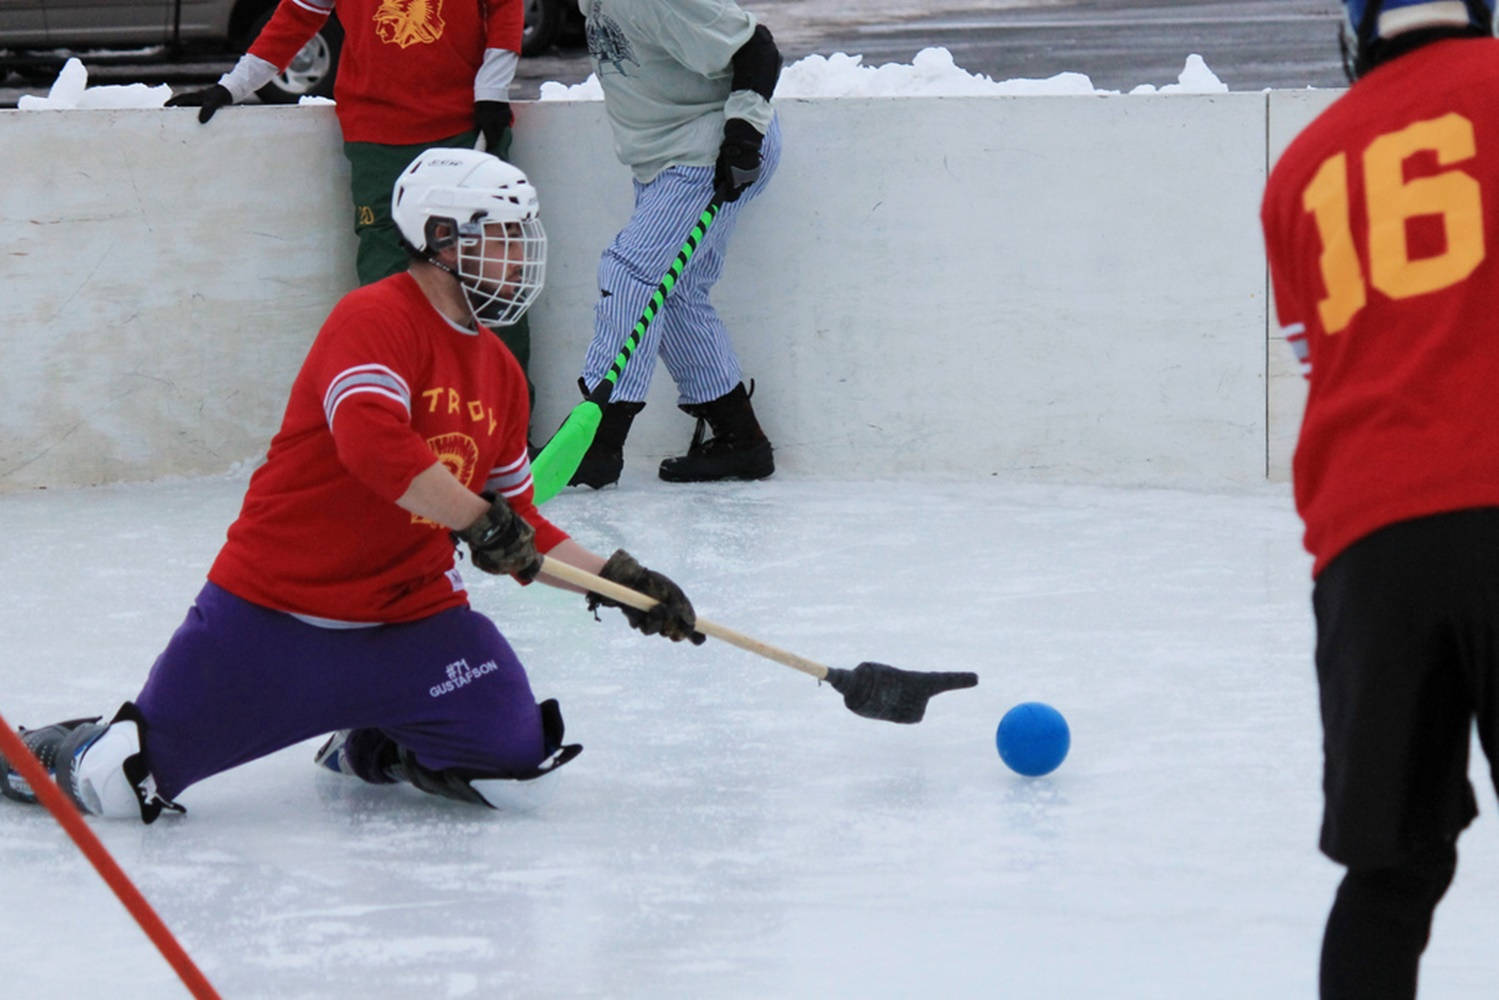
[{"x": 335, "y": 605}]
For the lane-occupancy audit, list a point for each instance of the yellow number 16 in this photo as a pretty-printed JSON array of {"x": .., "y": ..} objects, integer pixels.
[{"x": 1452, "y": 195}]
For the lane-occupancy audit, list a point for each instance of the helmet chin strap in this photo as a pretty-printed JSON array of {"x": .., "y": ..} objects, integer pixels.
[
  {"x": 429, "y": 256},
  {"x": 435, "y": 261}
]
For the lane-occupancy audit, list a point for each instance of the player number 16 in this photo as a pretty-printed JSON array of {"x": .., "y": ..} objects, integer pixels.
[{"x": 1391, "y": 200}]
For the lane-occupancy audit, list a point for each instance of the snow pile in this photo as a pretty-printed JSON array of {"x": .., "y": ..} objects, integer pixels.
[
  {"x": 588, "y": 90},
  {"x": 71, "y": 90},
  {"x": 1195, "y": 78},
  {"x": 931, "y": 74}
]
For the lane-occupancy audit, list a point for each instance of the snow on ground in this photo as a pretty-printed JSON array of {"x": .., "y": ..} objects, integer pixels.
[
  {"x": 731, "y": 830},
  {"x": 932, "y": 73}
]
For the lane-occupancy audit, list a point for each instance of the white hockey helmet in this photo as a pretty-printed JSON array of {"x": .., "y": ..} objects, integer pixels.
[{"x": 489, "y": 211}]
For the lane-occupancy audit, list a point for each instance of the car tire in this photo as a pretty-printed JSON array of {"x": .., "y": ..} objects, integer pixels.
[
  {"x": 311, "y": 72},
  {"x": 543, "y": 26},
  {"x": 574, "y": 33}
]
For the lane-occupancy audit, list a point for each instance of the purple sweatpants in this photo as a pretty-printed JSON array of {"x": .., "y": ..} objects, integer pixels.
[{"x": 239, "y": 681}]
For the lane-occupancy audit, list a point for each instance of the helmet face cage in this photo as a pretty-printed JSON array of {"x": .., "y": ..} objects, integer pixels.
[
  {"x": 487, "y": 210},
  {"x": 502, "y": 267}
]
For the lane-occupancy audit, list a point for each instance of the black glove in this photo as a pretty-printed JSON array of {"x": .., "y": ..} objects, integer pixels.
[
  {"x": 492, "y": 118},
  {"x": 209, "y": 100},
  {"x": 738, "y": 163},
  {"x": 673, "y": 617},
  {"x": 502, "y": 542}
]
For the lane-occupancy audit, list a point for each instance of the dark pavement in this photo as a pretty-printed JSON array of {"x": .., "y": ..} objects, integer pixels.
[
  {"x": 1117, "y": 43},
  {"x": 1250, "y": 45}
]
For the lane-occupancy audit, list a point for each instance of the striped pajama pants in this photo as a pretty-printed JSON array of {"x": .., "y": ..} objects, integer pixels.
[{"x": 687, "y": 333}]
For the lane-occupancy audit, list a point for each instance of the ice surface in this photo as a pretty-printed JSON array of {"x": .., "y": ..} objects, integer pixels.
[{"x": 731, "y": 830}]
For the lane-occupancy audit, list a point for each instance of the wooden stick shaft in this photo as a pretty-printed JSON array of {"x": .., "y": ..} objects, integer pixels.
[{"x": 624, "y": 595}]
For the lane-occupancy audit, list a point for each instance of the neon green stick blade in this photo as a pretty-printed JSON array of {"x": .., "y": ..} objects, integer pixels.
[{"x": 555, "y": 464}]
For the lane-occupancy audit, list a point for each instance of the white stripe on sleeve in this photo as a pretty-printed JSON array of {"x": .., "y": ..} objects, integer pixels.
[
  {"x": 511, "y": 479},
  {"x": 365, "y": 378},
  {"x": 1295, "y": 335}
]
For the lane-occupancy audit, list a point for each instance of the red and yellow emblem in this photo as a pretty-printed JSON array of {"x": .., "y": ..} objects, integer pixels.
[
  {"x": 409, "y": 22},
  {"x": 459, "y": 455}
]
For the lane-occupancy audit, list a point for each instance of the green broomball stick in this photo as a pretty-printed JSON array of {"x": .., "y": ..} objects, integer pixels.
[{"x": 555, "y": 464}]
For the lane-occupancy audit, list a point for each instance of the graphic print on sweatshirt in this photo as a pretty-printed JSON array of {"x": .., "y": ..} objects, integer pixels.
[
  {"x": 409, "y": 22},
  {"x": 458, "y": 450},
  {"x": 606, "y": 40}
]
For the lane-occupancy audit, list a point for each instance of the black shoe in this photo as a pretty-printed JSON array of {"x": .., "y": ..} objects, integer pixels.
[
  {"x": 738, "y": 449},
  {"x": 600, "y": 467},
  {"x": 605, "y": 458},
  {"x": 367, "y": 754},
  {"x": 720, "y": 458},
  {"x": 46, "y": 745}
]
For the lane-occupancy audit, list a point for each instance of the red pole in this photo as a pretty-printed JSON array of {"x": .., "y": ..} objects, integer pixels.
[{"x": 51, "y": 796}]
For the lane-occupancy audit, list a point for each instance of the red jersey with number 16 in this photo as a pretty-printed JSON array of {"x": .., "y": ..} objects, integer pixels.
[
  {"x": 1382, "y": 229},
  {"x": 389, "y": 388}
]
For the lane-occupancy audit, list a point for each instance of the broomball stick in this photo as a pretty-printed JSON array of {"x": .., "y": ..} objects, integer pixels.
[
  {"x": 555, "y": 464},
  {"x": 872, "y": 690}
]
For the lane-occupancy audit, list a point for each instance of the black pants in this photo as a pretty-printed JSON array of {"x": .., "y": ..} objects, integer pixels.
[{"x": 1407, "y": 659}]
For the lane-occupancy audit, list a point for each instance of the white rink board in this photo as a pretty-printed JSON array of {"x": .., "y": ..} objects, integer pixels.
[
  {"x": 1065, "y": 288},
  {"x": 159, "y": 283},
  {"x": 990, "y": 294},
  {"x": 1290, "y": 112}
]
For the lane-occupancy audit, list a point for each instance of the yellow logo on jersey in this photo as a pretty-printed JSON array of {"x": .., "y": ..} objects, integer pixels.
[
  {"x": 449, "y": 399},
  {"x": 460, "y": 455},
  {"x": 409, "y": 22}
]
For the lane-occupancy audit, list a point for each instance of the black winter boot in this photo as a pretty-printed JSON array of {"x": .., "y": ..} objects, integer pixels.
[
  {"x": 738, "y": 448},
  {"x": 605, "y": 458}
]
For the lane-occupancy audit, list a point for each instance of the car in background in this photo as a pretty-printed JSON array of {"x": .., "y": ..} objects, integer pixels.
[
  {"x": 37, "y": 36},
  {"x": 549, "y": 23}
]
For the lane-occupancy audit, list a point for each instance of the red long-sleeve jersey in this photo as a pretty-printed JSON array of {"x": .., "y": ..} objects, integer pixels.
[
  {"x": 389, "y": 388},
  {"x": 407, "y": 67},
  {"x": 1382, "y": 228}
]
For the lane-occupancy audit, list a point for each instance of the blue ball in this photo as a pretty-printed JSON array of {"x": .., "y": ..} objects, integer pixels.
[{"x": 1033, "y": 739}]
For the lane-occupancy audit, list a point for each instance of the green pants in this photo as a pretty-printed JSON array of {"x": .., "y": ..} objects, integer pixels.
[{"x": 373, "y": 170}]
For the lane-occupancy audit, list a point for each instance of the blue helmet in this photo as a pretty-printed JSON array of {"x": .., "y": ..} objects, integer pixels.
[{"x": 1372, "y": 21}]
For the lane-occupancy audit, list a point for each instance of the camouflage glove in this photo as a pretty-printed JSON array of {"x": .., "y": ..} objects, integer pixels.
[
  {"x": 500, "y": 541},
  {"x": 672, "y": 616}
]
